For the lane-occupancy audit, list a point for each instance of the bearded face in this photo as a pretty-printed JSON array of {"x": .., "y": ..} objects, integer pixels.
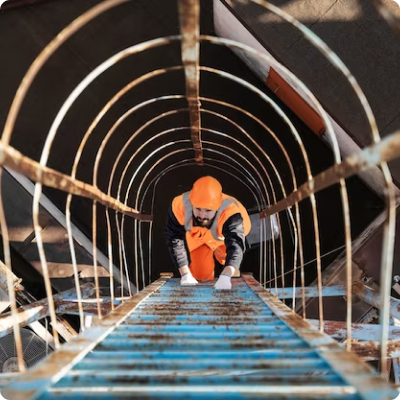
[{"x": 203, "y": 216}]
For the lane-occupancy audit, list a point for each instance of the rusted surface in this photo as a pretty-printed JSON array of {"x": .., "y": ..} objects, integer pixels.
[
  {"x": 370, "y": 350},
  {"x": 346, "y": 364},
  {"x": 220, "y": 320},
  {"x": 338, "y": 329},
  {"x": 374, "y": 299},
  {"x": 189, "y": 12},
  {"x": 143, "y": 362},
  {"x": 181, "y": 380},
  {"x": 250, "y": 345},
  {"x": 68, "y": 307},
  {"x": 3, "y": 279},
  {"x": 308, "y": 291},
  {"x": 24, "y": 298},
  {"x": 33, "y": 170},
  {"x": 304, "y": 155},
  {"x": 222, "y": 308},
  {"x": 35, "y": 311},
  {"x": 59, "y": 362}
]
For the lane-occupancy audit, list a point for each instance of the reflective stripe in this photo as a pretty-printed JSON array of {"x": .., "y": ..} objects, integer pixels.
[
  {"x": 189, "y": 214},
  {"x": 188, "y": 211},
  {"x": 225, "y": 204}
]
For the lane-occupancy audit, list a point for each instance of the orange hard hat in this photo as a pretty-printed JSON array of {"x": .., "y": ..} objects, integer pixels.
[{"x": 206, "y": 193}]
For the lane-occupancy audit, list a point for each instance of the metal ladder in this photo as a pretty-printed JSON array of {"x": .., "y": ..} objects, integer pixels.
[{"x": 173, "y": 342}]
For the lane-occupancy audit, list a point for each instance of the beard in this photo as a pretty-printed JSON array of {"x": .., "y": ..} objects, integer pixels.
[{"x": 204, "y": 222}]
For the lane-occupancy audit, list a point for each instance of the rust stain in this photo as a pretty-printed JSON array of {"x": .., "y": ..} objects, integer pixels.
[
  {"x": 333, "y": 327},
  {"x": 52, "y": 178},
  {"x": 189, "y": 12}
]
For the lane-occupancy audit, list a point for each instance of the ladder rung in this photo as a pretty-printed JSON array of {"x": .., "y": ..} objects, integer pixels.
[
  {"x": 173, "y": 336},
  {"x": 105, "y": 378},
  {"x": 282, "y": 365},
  {"x": 222, "y": 312},
  {"x": 212, "y": 345},
  {"x": 272, "y": 390},
  {"x": 198, "y": 355},
  {"x": 279, "y": 326},
  {"x": 234, "y": 319},
  {"x": 174, "y": 370}
]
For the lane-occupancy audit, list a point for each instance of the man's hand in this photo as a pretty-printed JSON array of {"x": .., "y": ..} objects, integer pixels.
[
  {"x": 223, "y": 283},
  {"x": 188, "y": 280}
]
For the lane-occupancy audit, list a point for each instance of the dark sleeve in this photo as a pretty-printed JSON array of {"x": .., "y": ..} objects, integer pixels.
[
  {"x": 175, "y": 239},
  {"x": 233, "y": 232}
]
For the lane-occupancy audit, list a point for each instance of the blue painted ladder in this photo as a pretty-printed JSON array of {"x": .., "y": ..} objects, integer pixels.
[{"x": 173, "y": 342}]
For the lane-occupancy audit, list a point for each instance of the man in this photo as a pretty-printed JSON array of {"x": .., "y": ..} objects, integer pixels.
[{"x": 207, "y": 223}]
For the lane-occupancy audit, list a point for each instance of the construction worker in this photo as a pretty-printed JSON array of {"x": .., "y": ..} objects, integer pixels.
[{"x": 207, "y": 223}]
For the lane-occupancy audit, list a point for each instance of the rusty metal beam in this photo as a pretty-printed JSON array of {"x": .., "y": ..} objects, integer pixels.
[
  {"x": 37, "y": 310},
  {"x": 373, "y": 298},
  {"x": 65, "y": 329},
  {"x": 25, "y": 298},
  {"x": 189, "y": 13},
  {"x": 22, "y": 296},
  {"x": 311, "y": 291},
  {"x": 338, "y": 330},
  {"x": 386, "y": 150},
  {"x": 89, "y": 307},
  {"x": 3, "y": 279},
  {"x": 18, "y": 185},
  {"x": 13, "y": 159},
  {"x": 371, "y": 349}
]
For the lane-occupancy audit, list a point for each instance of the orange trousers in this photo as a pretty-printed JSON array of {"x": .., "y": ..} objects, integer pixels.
[{"x": 202, "y": 263}]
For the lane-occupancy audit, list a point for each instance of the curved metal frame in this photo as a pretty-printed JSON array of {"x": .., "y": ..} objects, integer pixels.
[
  {"x": 387, "y": 257},
  {"x": 180, "y": 164},
  {"x": 141, "y": 165}
]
